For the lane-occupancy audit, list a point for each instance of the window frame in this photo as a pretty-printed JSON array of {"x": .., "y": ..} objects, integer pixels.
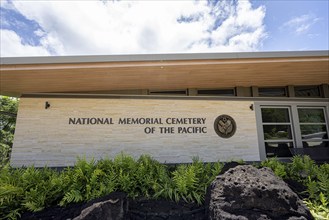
[
  {"x": 300, "y": 138},
  {"x": 290, "y": 123},
  {"x": 294, "y": 120}
]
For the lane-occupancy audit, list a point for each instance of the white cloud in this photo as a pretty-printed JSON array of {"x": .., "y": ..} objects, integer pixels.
[
  {"x": 39, "y": 33},
  {"x": 12, "y": 46},
  {"x": 242, "y": 30},
  {"x": 301, "y": 24},
  {"x": 134, "y": 27}
]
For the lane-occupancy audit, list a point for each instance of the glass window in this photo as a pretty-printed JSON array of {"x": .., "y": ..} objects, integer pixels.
[
  {"x": 295, "y": 129},
  {"x": 217, "y": 92},
  {"x": 275, "y": 115},
  {"x": 311, "y": 115},
  {"x": 277, "y": 129},
  {"x": 272, "y": 92},
  {"x": 313, "y": 127},
  {"x": 313, "y": 131},
  {"x": 307, "y": 91},
  {"x": 168, "y": 92},
  {"x": 278, "y": 149},
  {"x": 313, "y": 144},
  {"x": 277, "y": 132}
]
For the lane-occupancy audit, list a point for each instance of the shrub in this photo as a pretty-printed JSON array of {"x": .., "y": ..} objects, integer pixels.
[
  {"x": 278, "y": 167},
  {"x": 314, "y": 177},
  {"x": 33, "y": 189}
]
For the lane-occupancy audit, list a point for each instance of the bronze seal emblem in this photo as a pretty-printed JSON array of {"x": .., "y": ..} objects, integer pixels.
[{"x": 225, "y": 126}]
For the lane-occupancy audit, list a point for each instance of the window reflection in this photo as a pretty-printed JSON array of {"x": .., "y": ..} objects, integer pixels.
[
  {"x": 306, "y": 132},
  {"x": 275, "y": 115},
  {"x": 272, "y": 92},
  {"x": 313, "y": 127},
  {"x": 307, "y": 91},
  {"x": 278, "y": 149},
  {"x": 218, "y": 92},
  {"x": 307, "y": 115},
  {"x": 313, "y": 131},
  {"x": 312, "y": 144},
  {"x": 277, "y": 132}
]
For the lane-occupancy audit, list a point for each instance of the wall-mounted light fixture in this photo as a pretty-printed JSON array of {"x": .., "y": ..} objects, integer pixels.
[
  {"x": 251, "y": 107},
  {"x": 47, "y": 105}
]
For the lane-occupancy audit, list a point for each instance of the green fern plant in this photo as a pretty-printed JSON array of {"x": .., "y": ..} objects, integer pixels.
[
  {"x": 44, "y": 192},
  {"x": 13, "y": 214},
  {"x": 278, "y": 167},
  {"x": 216, "y": 168},
  {"x": 162, "y": 186},
  {"x": 10, "y": 195},
  {"x": 11, "y": 192},
  {"x": 301, "y": 168},
  {"x": 34, "y": 189},
  {"x": 75, "y": 180},
  {"x": 86, "y": 181},
  {"x": 101, "y": 184},
  {"x": 35, "y": 200},
  {"x": 124, "y": 162},
  {"x": 312, "y": 189},
  {"x": 106, "y": 165},
  {"x": 187, "y": 184},
  {"x": 71, "y": 196},
  {"x": 148, "y": 173},
  {"x": 323, "y": 179},
  {"x": 319, "y": 210}
]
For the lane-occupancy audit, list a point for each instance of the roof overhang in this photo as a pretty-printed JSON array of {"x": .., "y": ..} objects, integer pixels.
[{"x": 81, "y": 74}]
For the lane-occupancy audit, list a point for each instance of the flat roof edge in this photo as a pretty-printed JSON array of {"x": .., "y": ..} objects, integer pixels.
[
  {"x": 158, "y": 57},
  {"x": 161, "y": 97}
]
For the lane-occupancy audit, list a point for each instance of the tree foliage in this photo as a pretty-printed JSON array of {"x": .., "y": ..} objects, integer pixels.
[{"x": 8, "y": 111}]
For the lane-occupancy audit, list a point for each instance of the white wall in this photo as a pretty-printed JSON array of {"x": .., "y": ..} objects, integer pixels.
[{"x": 45, "y": 137}]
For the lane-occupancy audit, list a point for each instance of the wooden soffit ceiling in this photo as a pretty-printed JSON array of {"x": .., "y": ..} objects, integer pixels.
[{"x": 17, "y": 79}]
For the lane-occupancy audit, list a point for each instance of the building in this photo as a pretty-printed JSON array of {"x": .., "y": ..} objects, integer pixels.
[{"x": 223, "y": 106}]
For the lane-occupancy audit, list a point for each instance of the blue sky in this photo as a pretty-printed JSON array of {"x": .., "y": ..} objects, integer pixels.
[
  {"x": 48, "y": 28},
  {"x": 282, "y": 35}
]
